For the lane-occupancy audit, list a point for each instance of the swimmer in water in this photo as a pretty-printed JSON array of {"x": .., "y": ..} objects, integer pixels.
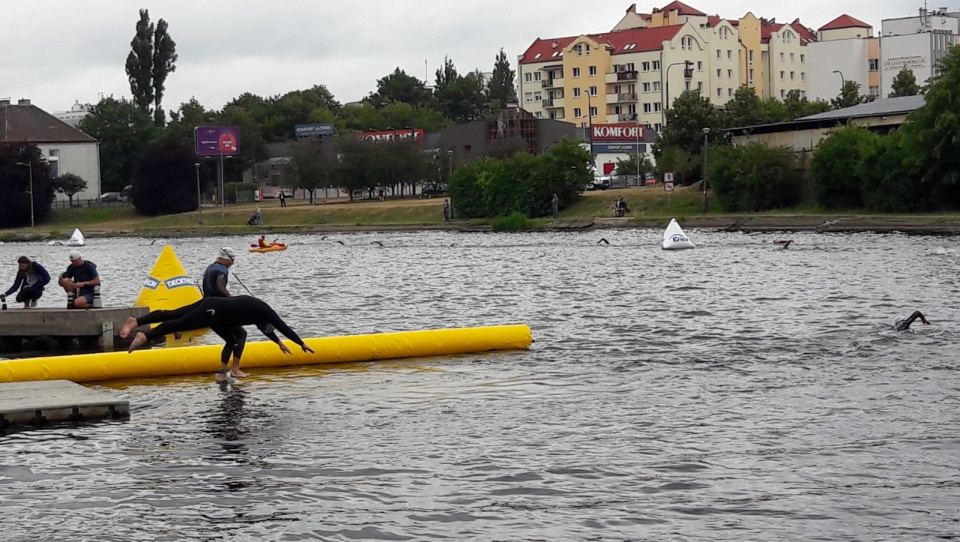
[{"x": 904, "y": 323}]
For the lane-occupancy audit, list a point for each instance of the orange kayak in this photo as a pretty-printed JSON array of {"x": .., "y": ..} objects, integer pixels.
[{"x": 272, "y": 248}]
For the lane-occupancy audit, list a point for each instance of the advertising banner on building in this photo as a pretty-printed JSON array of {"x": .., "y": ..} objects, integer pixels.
[
  {"x": 217, "y": 140},
  {"x": 315, "y": 129},
  {"x": 393, "y": 135},
  {"x": 620, "y": 132},
  {"x": 625, "y": 148}
]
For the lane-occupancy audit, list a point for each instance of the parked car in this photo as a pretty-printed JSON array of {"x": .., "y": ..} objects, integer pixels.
[
  {"x": 107, "y": 197},
  {"x": 602, "y": 183}
]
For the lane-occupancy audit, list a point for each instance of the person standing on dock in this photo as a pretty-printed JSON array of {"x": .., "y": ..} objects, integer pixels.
[
  {"x": 31, "y": 278},
  {"x": 222, "y": 315},
  {"x": 80, "y": 278}
]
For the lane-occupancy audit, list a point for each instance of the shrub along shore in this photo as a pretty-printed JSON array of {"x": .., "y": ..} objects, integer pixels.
[{"x": 651, "y": 207}]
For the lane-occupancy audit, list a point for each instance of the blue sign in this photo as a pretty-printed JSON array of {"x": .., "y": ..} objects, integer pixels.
[
  {"x": 314, "y": 130},
  {"x": 614, "y": 148}
]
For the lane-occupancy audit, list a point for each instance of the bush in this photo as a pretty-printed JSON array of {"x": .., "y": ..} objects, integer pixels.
[
  {"x": 754, "y": 177},
  {"x": 514, "y": 222},
  {"x": 835, "y": 173}
]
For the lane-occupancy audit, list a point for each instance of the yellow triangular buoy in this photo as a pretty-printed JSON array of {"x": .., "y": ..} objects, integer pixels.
[{"x": 168, "y": 286}]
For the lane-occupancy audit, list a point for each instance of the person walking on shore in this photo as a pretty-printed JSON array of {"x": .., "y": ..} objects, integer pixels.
[
  {"x": 446, "y": 210},
  {"x": 555, "y": 203}
]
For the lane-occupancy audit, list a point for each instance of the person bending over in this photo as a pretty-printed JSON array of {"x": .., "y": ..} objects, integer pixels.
[
  {"x": 904, "y": 323},
  {"x": 224, "y": 315},
  {"x": 31, "y": 278}
]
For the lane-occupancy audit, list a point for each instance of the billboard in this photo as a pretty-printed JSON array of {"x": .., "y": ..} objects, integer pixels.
[
  {"x": 217, "y": 140},
  {"x": 315, "y": 129},
  {"x": 619, "y": 132},
  {"x": 392, "y": 135}
]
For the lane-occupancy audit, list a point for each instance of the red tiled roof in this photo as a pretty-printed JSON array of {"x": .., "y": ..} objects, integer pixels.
[
  {"x": 806, "y": 34},
  {"x": 646, "y": 39},
  {"x": 844, "y": 21},
  {"x": 768, "y": 28},
  {"x": 684, "y": 9},
  {"x": 30, "y": 123}
]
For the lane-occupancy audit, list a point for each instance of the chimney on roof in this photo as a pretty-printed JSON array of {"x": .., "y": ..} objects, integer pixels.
[
  {"x": 4, "y": 102},
  {"x": 632, "y": 8},
  {"x": 23, "y": 101}
]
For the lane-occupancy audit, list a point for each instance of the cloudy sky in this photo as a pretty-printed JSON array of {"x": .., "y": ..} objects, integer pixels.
[{"x": 57, "y": 52}]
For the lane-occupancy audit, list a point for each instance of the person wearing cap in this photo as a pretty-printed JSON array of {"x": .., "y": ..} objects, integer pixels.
[
  {"x": 31, "y": 278},
  {"x": 221, "y": 315},
  {"x": 80, "y": 277},
  {"x": 218, "y": 273}
]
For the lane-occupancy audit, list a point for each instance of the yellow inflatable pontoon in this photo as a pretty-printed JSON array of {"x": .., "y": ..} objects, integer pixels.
[{"x": 206, "y": 359}]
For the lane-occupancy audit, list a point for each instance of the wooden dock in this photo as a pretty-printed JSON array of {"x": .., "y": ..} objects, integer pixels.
[
  {"x": 20, "y": 326},
  {"x": 41, "y": 403}
]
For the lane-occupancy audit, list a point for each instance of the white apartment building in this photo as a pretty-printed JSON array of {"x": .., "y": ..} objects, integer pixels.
[
  {"x": 845, "y": 50},
  {"x": 916, "y": 43}
]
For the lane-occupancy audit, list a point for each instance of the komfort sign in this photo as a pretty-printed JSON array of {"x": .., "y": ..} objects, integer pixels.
[
  {"x": 618, "y": 132},
  {"x": 217, "y": 140},
  {"x": 392, "y": 135}
]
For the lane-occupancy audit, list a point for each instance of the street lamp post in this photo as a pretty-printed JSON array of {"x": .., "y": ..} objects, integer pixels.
[
  {"x": 843, "y": 82},
  {"x": 30, "y": 169},
  {"x": 450, "y": 159},
  {"x": 638, "y": 152},
  {"x": 706, "y": 132},
  {"x": 199, "y": 199},
  {"x": 590, "y": 120},
  {"x": 223, "y": 198},
  {"x": 687, "y": 75}
]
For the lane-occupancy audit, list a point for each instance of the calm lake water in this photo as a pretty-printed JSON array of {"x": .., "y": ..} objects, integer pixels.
[{"x": 732, "y": 392}]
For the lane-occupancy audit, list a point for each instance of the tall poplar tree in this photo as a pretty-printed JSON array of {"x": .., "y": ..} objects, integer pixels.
[
  {"x": 152, "y": 58},
  {"x": 502, "y": 87}
]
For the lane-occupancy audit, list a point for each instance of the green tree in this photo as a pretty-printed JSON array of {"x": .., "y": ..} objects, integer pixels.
[
  {"x": 629, "y": 167},
  {"x": 904, "y": 84},
  {"x": 849, "y": 96},
  {"x": 754, "y": 177},
  {"x": 460, "y": 98},
  {"x": 744, "y": 109},
  {"x": 164, "y": 63},
  {"x": 501, "y": 89},
  {"x": 834, "y": 171},
  {"x": 152, "y": 58},
  {"x": 140, "y": 63},
  {"x": 15, "y": 180},
  {"x": 69, "y": 185},
  {"x": 124, "y": 132},
  {"x": 398, "y": 87},
  {"x": 684, "y": 166},
  {"x": 933, "y": 132},
  {"x": 685, "y": 121},
  {"x": 889, "y": 180},
  {"x": 164, "y": 180}
]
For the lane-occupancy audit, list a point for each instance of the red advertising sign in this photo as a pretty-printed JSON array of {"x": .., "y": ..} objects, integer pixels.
[
  {"x": 617, "y": 132},
  {"x": 392, "y": 135}
]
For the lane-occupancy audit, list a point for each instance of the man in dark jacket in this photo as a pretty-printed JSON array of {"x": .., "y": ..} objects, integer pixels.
[{"x": 31, "y": 278}]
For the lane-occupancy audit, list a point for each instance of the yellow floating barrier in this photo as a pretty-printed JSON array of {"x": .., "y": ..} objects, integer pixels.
[{"x": 206, "y": 359}]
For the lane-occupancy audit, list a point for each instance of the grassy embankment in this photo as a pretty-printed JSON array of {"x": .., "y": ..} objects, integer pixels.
[{"x": 650, "y": 206}]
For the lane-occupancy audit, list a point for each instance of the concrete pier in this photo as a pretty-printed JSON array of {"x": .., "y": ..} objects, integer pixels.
[
  {"x": 17, "y": 325},
  {"x": 50, "y": 401}
]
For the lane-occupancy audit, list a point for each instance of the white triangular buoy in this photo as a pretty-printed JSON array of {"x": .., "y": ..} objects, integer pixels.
[
  {"x": 674, "y": 238},
  {"x": 76, "y": 240}
]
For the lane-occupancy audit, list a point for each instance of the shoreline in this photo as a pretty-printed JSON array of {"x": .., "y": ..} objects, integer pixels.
[{"x": 934, "y": 225}]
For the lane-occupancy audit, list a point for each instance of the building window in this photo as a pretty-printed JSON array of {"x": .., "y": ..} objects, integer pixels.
[
  {"x": 718, "y": 54},
  {"x": 576, "y": 72},
  {"x": 537, "y": 96},
  {"x": 792, "y": 76},
  {"x": 730, "y": 74},
  {"x": 700, "y": 86},
  {"x": 632, "y": 109},
  {"x": 781, "y": 74},
  {"x": 656, "y": 86},
  {"x": 527, "y": 77},
  {"x": 803, "y": 59},
  {"x": 719, "y": 92},
  {"x": 536, "y": 76},
  {"x": 593, "y": 112},
  {"x": 781, "y": 58},
  {"x": 656, "y": 65},
  {"x": 729, "y": 54},
  {"x": 730, "y": 92},
  {"x": 783, "y": 94},
  {"x": 646, "y": 87},
  {"x": 528, "y": 96},
  {"x": 647, "y": 108},
  {"x": 656, "y": 107},
  {"x": 750, "y": 74},
  {"x": 803, "y": 76},
  {"x": 645, "y": 66},
  {"x": 699, "y": 65},
  {"x": 750, "y": 58},
  {"x": 577, "y": 113},
  {"x": 791, "y": 58},
  {"x": 593, "y": 70},
  {"x": 593, "y": 91},
  {"x": 874, "y": 64},
  {"x": 576, "y": 92},
  {"x": 719, "y": 73},
  {"x": 874, "y": 91}
]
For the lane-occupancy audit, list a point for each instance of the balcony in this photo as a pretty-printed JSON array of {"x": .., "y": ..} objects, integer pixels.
[
  {"x": 627, "y": 75},
  {"x": 553, "y": 103},
  {"x": 627, "y": 117},
  {"x": 552, "y": 83},
  {"x": 625, "y": 97}
]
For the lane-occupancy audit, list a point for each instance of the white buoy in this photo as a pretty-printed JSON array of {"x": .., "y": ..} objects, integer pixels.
[{"x": 674, "y": 238}]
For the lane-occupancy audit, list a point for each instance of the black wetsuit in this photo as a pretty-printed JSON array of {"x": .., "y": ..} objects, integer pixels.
[
  {"x": 223, "y": 315},
  {"x": 904, "y": 323}
]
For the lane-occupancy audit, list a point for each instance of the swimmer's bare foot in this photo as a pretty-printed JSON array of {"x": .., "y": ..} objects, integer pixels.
[
  {"x": 237, "y": 373},
  {"x": 223, "y": 377},
  {"x": 138, "y": 341},
  {"x": 128, "y": 326}
]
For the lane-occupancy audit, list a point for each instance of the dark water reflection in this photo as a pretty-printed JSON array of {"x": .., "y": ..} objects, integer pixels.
[{"x": 733, "y": 392}]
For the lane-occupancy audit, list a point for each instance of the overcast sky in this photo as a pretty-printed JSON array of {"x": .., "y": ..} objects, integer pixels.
[{"x": 57, "y": 52}]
